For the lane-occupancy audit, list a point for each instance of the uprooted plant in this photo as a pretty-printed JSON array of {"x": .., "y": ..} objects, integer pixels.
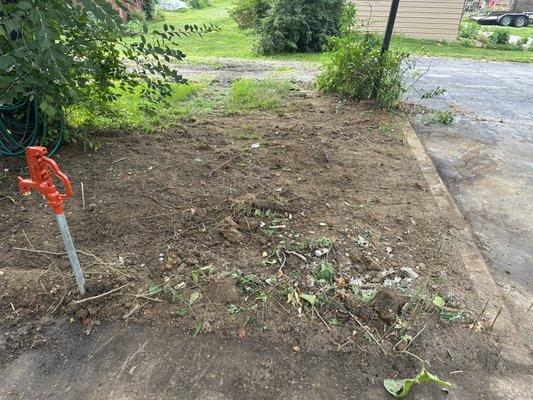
[{"x": 401, "y": 387}]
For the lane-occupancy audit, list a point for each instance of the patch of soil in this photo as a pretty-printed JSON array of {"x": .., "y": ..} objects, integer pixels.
[{"x": 309, "y": 227}]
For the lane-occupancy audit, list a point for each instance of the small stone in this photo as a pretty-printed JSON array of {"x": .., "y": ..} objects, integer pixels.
[
  {"x": 191, "y": 261},
  {"x": 2, "y": 273},
  {"x": 410, "y": 273}
]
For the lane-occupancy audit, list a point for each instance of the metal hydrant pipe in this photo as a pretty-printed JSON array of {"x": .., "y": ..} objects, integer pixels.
[
  {"x": 42, "y": 171},
  {"x": 71, "y": 252}
]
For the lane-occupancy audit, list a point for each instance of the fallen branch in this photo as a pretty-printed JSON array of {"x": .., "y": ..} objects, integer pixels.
[
  {"x": 100, "y": 295},
  {"x": 300, "y": 256},
  {"x": 224, "y": 164},
  {"x": 51, "y": 253}
]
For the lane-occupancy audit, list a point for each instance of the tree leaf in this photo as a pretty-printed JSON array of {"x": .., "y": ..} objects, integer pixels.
[
  {"x": 398, "y": 387},
  {"x": 401, "y": 387},
  {"x": 439, "y": 301},
  {"x": 425, "y": 376},
  {"x": 199, "y": 328},
  {"x": 194, "y": 297},
  {"x": 24, "y": 5},
  {"x": 310, "y": 298}
]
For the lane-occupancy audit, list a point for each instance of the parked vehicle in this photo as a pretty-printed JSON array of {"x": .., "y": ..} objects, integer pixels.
[{"x": 504, "y": 18}]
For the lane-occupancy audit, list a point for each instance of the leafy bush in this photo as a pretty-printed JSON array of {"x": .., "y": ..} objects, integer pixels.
[
  {"x": 299, "y": 25},
  {"x": 64, "y": 55},
  {"x": 287, "y": 26},
  {"x": 500, "y": 40},
  {"x": 357, "y": 70},
  {"x": 249, "y": 13},
  {"x": 469, "y": 29},
  {"x": 198, "y": 4},
  {"x": 499, "y": 36}
]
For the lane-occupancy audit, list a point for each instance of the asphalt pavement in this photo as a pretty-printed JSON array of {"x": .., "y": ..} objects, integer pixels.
[{"x": 485, "y": 156}]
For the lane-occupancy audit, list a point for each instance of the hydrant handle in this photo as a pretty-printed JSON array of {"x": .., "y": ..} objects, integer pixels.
[{"x": 42, "y": 170}]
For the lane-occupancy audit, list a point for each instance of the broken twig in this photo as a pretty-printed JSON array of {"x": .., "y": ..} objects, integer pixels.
[{"x": 100, "y": 295}]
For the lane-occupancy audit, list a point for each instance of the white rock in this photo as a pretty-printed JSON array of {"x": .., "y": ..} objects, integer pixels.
[{"x": 410, "y": 273}]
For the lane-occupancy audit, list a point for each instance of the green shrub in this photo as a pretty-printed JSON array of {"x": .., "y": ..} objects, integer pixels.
[
  {"x": 198, "y": 4},
  {"x": 469, "y": 29},
  {"x": 357, "y": 70},
  {"x": 67, "y": 54},
  {"x": 248, "y": 14},
  {"x": 499, "y": 40},
  {"x": 500, "y": 36},
  {"x": 467, "y": 42},
  {"x": 288, "y": 26}
]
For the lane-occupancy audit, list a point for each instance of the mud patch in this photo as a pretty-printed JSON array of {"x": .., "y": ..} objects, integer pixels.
[{"x": 283, "y": 225}]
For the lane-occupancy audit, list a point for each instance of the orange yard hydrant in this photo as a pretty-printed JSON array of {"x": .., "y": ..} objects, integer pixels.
[{"x": 42, "y": 171}]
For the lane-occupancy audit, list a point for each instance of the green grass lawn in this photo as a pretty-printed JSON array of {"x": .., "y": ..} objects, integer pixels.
[
  {"x": 232, "y": 42},
  {"x": 526, "y": 32},
  {"x": 456, "y": 50},
  {"x": 126, "y": 111}
]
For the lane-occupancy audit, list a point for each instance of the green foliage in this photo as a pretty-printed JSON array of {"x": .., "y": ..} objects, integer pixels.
[
  {"x": 438, "y": 91},
  {"x": 148, "y": 7},
  {"x": 298, "y": 25},
  {"x": 443, "y": 117},
  {"x": 198, "y": 4},
  {"x": 126, "y": 112},
  {"x": 248, "y": 14},
  {"x": 357, "y": 70},
  {"x": 500, "y": 36},
  {"x": 324, "y": 272},
  {"x": 448, "y": 314},
  {"x": 500, "y": 40},
  {"x": 67, "y": 55},
  {"x": 469, "y": 29},
  {"x": 401, "y": 387},
  {"x": 251, "y": 94},
  {"x": 310, "y": 298}
]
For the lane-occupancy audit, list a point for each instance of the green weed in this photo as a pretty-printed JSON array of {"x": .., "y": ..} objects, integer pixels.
[
  {"x": 251, "y": 94},
  {"x": 443, "y": 117},
  {"x": 127, "y": 111}
]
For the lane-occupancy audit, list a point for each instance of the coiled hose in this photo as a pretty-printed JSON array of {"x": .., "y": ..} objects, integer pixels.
[{"x": 22, "y": 125}]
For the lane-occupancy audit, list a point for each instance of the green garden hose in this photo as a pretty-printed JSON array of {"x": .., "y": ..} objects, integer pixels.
[{"x": 22, "y": 125}]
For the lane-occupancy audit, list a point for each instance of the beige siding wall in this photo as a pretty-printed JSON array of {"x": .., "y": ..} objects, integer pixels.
[{"x": 428, "y": 19}]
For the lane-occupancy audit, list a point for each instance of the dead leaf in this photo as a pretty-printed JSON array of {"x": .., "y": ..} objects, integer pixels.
[{"x": 342, "y": 282}]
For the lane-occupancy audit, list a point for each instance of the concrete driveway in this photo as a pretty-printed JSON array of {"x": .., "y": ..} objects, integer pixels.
[{"x": 486, "y": 156}]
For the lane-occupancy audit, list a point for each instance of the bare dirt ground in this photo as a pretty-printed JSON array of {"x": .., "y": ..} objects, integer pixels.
[{"x": 271, "y": 240}]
